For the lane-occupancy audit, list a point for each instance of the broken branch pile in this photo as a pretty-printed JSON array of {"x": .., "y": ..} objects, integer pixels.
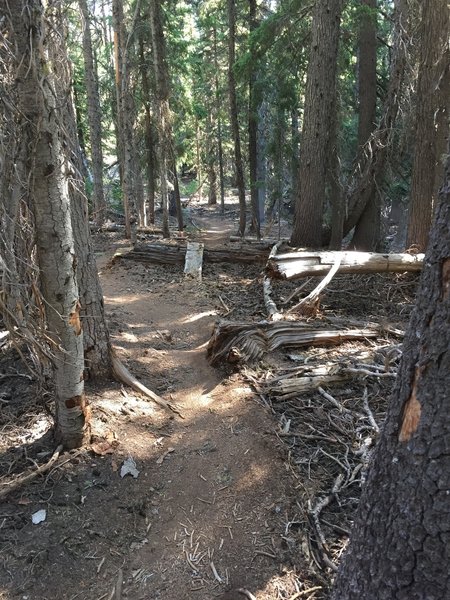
[
  {"x": 233, "y": 342},
  {"x": 164, "y": 254},
  {"x": 309, "y": 377}
]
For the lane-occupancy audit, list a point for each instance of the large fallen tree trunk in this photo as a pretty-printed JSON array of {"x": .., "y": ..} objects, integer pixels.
[
  {"x": 295, "y": 265},
  {"x": 160, "y": 253},
  {"x": 234, "y": 342}
]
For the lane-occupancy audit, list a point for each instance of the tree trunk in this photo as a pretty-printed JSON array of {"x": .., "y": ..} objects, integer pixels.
[
  {"x": 367, "y": 231},
  {"x": 320, "y": 92},
  {"x": 370, "y": 169},
  {"x": 94, "y": 117},
  {"x": 54, "y": 237},
  {"x": 432, "y": 98},
  {"x": 96, "y": 341},
  {"x": 163, "y": 110},
  {"x": 253, "y": 102},
  {"x": 125, "y": 117},
  {"x": 400, "y": 541},
  {"x": 219, "y": 125},
  {"x": 337, "y": 197},
  {"x": 239, "y": 168},
  {"x": 149, "y": 136}
]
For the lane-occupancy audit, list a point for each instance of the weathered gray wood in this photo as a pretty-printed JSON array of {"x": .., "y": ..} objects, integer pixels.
[
  {"x": 194, "y": 260},
  {"x": 295, "y": 265},
  {"x": 234, "y": 342}
]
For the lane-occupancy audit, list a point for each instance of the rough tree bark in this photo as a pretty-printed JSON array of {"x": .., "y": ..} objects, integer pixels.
[
  {"x": 125, "y": 115},
  {"x": 149, "y": 135},
  {"x": 96, "y": 340},
  {"x": 431, "y": 100},
  {"x": 400, "y": 545},
  {"x": 234, "y": 119},
  {"x": 370, "y": 169},
  {"x": 367, "y": 231},
  {"x": 94, "y": 116},
  {"x": 162, "y": 101},
  {"x": 219, "y": 124},
  {"x": 253, "y": 131},
  {"x": 51, "y": 203},
  {"x": 320, "y": 91}
]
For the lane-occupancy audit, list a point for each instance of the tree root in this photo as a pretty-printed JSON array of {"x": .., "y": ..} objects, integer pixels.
[{"x": 123, "y": 375}]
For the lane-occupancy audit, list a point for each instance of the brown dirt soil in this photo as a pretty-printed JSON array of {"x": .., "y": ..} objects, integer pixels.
[{"x": 208, "y": 511}]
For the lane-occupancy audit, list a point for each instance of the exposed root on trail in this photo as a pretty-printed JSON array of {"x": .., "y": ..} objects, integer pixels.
[{"x": 123, "y": 375}]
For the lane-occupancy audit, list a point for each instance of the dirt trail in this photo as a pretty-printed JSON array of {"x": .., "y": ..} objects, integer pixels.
[{"x": 216, "y": 484}]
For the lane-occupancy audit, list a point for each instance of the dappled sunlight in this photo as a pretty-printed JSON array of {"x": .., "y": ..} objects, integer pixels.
[{"x": 197, "y": 317}]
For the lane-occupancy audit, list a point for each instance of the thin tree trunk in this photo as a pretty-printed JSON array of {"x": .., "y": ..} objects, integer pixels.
[
  {"x": 125, "y": 117},
  {"x": 320, "y": 91},
  {"x": 432, "y": 99},
  {"x": 176, "y": 191},
  {"x": 149, "y": 137},
  {"x": 163, "y": 110},
  {"x": 400, "y": 540},
  {"x": 219, "y": 125},
  {"x": 337, "y": 197},
  {"x": 54, "y": 237},
  {"x": 370, "y": 169},
  {"x": 94, "y": 117},
  {"x": 367, "y": 231},
  {"x": 198, "y": 159},
  {"x": 234, "y": 115},
  {"x": 253, "y": 132}
]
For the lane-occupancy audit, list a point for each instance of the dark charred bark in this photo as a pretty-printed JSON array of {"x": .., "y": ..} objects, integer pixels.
[
  {"x": 400, "y": 541},
  {"x": 432, "y": 101}
]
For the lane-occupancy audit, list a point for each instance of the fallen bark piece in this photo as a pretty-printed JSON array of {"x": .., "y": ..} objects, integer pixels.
[
  {"x": 234, "y": 342},
  {"x": 295, "y": 265},
  {"x": 194, "y": 260}
]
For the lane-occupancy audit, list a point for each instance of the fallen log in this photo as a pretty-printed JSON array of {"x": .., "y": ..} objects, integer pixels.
[
  {"x": 295, "y": 265},
  {"x": 160, "y": 253},
  {"x": 234, "y": 342}
]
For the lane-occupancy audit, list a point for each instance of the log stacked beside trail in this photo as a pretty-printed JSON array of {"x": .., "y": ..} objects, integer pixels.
[
  {"x": 170, "y": 253},
  {"x": 295, "y": 265}
]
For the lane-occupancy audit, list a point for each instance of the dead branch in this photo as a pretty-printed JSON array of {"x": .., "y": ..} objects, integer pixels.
[
  {"x": 295, "y": 265},
  {"x": 310, "y": 301},
  {"x": 123, "y": 375},
  {"x": 23, "y": 479}
]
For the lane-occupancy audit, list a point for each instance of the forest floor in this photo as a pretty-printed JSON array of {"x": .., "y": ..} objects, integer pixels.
[{"x": 227, "y": 496}]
